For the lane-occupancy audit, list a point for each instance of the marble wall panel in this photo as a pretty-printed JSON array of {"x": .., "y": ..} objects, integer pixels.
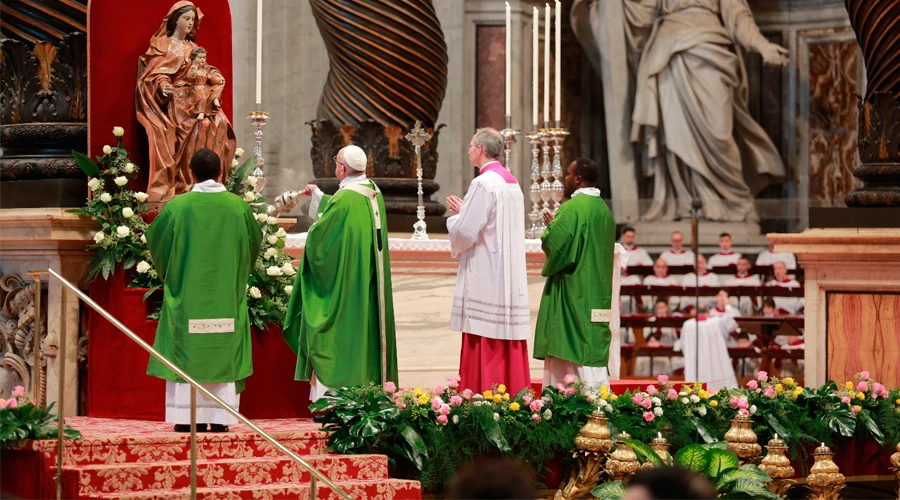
[
  {"x": 490, "y": 76},
  {"x": 864, "y": 334}
]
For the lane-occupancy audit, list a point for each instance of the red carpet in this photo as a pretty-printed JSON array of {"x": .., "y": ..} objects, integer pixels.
[{"x": 130, "y": 459}]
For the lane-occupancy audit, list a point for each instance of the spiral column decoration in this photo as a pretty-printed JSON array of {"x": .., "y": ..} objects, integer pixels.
[{"x": 877, "y": 27}]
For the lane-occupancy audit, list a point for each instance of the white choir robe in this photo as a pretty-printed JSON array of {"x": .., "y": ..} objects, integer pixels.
[
  {"x": 629, "y": 303},
  {"x": 684, "y": 257},
  {"x": 747, "y": 305},
  {"x": 661, "y": 365},
  {"x": 715, "y": 366},
  {"x": 707, "y": 279},
  {"x": 637, "y": 256},
  {"x": 793, "y": 305},
  {"x": 767, "y": 258},
  {"x": 728, "y": 310},
  {"x": 723, "y": 259},
  {"x": 667, "y": 280},
  {"x": 614, "y": 364},
  {"x": 491, "y": 297}
]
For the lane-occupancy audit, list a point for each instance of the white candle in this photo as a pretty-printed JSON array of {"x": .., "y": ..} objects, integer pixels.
[
  {"x": 508, "y": 50},
  {"x": 534, "y": 66},
  {"x": 659, "y": 435},
  {"x": 259, "y": 51},
  {"x": 547, "y": 62},
  {"x": 558, "y": 56}
]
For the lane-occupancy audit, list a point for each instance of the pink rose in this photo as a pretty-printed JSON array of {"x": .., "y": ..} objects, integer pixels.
[
  {"x": 403, "y": 406},
  {"x": 752, "y": 385},
  {"x": 877, "y": 387},
  {"x": 672, "y": 394},
  {"x": 662, "y": 379},
  {"x": 3, "y": 403},
  {"x": 453, "y": 381},
  {"x": 467, "y": 394},
  {"x": 769, "y": 392},
  {"x": 647, "y": 403},
  {"x": 390, "y": 387},
  {"x": 12, "y": 403},
  {"x": 442, "y": 420},
  {"x": 438, "y": 389},
  {"x": 436, "y": 403},
  {"x": 762, "y": 376},
  {"x": 651, "y": 390},
  {"x": 455, "y": 401},
  {"x": 536, "y": 405},
  {"x": 743, "y": 404},
  {"x": 637, "y": 398},
  {"x": 743, "y": 412},
  {"x": 571, "y": 391},
  {"x": 648, "y": 416},
  {"x": 526, "y": 399},
  {"x": 734, "y": 401},
  {"x": 884, "y": 394},
  {"x": 863, "y": 374},
  {"x": 560, "y": 387},
  {"x": 536, "y": 417},
  {"x": 590, "y": 399},
  {"x": 845, "y": 399},
  {"x": 855, "y": 410},
  {"x": 568, "y": 379},
  {"x": 445, "y": 410},
  {"x": 19, "y": 391},
  {"x": 862, "y": 386}
]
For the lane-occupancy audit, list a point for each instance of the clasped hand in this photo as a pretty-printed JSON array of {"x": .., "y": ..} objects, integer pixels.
[{"x": 454, "y": 204}]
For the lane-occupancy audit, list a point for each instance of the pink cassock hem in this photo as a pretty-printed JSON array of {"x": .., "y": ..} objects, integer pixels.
[{"x": 484, "y": 362}]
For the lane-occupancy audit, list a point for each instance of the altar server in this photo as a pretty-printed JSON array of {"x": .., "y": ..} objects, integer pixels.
[
  {"x": 715, "y": 366},
  {"x": 726, "y": 256},
  {"x": 678, "y": 255},
  {"x": 786, "y": 305},
  {"x": 661, "y": 277},
  {"x": 340, "y": 320},
  {"x": 573, "y": 325},
  {"x": 742, "y": 277},
  {"x": 636, "y": 256},
  {"x": 490, "y": 305},
  {"x": 203, "y": 244}
]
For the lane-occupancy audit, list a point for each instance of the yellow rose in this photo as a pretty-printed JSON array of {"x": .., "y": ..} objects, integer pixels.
[
  {"x": 779, "y": 388},
  {"x": 713, "y": 403},
  {"x": 514, "y": 406},
  {"x": 498, "y": 398},
  {"x": 686, "y": 389},
  {"x": 613, "y": 397},
  {"x": 417, "y": 392},
  {"x": 505, "y": 396},
  {"x": 488, "y": 395},
  {"x": 423, "y": 400},
  {"x": 897, "y": 402},
  {"x": 789, "y": 381},
  {"x": 501, "y": 388},
  {"x": 848, "y": 385},
  {"x": 703, "y": 394},
  {"x": 860, "y": 396},
  {"x": 797, "y": 392},
  {"x": 857, "y": 408}
]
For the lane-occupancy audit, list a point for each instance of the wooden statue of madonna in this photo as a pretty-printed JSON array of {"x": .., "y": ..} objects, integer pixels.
[{"x": 177, "y": 100}]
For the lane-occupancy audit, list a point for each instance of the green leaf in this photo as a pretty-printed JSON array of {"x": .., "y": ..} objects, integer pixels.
[
  {"x": 367, "y": 427},
  {"x": 752, "y": 489},
  {"x": 776, "y": 425},
  {"x": 718, "y": 445},
  {"x": 644, "y": 452},
  {"x": 692, "y": 457},
  {"x": 79, "y": 211},
  {"x": 87, "y": 165},
  {"x": 870, "y": 425},
  {"x": 150, "y": 292},
  {"x": 720, "y": 461},
  {"x": 614, "y": 490},
  {"x": 841, "y": 420},
  {"x": 704, "y": 431},
  {"x": 240, "y": 176},
  {"x": 492, "y": 432},
  {"x": 416, "y": 450}
]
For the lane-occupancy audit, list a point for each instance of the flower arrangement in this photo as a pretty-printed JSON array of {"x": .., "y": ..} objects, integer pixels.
[
  {"x": 122, "y": 242},
  {"x": 21, "y": 419}
]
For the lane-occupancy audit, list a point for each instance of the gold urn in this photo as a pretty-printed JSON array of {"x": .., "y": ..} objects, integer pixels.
[
  {"x": 661, "y": 446},
  {"x": 778, "y": 466},
  {"x": 623, "y": 462},
  {"x": 825, "y": 479},
  {"x": 594, "y": 436},
  {"x": 741, "y": 438},
  {"x": 895, "y": 461}
]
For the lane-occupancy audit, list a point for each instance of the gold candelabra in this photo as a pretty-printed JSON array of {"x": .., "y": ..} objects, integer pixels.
[
  {"x": 623, "y": 462},
  {"x": 778, "y": 466},
  {"x": 741, "y": 438},
  {"x": 592, "y": 444},
  {"x": 825, "y": 479}
]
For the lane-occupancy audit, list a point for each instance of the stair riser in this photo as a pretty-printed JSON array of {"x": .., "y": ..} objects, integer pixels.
[
  {"x": 139, "y": 477},
  {"x": 382, "y": 490}
]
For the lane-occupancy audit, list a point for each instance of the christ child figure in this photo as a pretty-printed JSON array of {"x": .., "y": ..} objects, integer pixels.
[{"x": 202, "y": 86}]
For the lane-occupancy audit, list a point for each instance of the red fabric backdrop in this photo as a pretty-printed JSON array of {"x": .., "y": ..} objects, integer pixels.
[{"x": 118, "y": 34}]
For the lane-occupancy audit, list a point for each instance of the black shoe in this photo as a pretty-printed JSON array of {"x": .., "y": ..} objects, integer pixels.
[
  {"x": 218, "y": 428},
  {"x": 187, "y": 427}
]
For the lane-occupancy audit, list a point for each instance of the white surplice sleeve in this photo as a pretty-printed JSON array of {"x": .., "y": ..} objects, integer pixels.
[{"x": 464, "y": 228}]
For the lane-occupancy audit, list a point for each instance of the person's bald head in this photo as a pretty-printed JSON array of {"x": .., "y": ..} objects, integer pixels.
[
  {"x": 780, "y": 270},
  {"x": 677, "y": 240},
  {"x": 660, "y": 268}
]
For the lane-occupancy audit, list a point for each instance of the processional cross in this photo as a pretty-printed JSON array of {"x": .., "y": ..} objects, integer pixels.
[{"x": 418, "y": 137}]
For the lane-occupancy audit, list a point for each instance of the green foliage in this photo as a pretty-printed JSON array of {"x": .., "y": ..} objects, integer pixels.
[
  {"x": 613, "y": 490},
  {"x": 27, "y": 421}
]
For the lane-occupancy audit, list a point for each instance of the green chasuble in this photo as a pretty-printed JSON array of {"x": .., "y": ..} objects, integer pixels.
[
  {"x": 203, "y": 246},
  {"x": 573, "y": 321},
  {"x": 340, "y": 321}
]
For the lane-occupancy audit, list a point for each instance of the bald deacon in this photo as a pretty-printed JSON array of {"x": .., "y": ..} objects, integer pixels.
[
  {"x": 340, "y": 320},
  {"x": 490, "y": 306}
]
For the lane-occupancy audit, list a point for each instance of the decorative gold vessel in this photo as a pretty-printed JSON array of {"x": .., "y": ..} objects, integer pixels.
[
  {"x": 592, "y": 445},
  {"x": 778, "y": 466},
  {"x": 825, "y": 479},
  {"x": 741, "y": 438},
  {"x": 623, "y": 462}
]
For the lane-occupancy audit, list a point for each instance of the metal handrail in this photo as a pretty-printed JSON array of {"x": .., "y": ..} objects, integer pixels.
[{"x": 315, "y": 474}]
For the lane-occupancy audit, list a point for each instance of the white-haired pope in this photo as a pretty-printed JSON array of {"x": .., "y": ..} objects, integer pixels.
[{"x": 340, "y": 320}]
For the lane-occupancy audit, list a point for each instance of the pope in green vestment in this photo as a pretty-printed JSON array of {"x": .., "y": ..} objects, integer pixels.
[
  {"x": 340, "y": 320},
  {"x": 203, "y": 244},
  {"x": 579, "y": 243}
]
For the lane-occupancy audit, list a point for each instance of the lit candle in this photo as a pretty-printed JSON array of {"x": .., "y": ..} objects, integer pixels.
[
  {"x": 259, "y": 51},
  {"x": 659, "y": 435},
  {"x": 558, "y": 56},
  {"x": 534, "y": 67},
  {"x": 508, "y": 60},
  {"x": 776, "y": 435},
  {"x": 547, "y": 63}
]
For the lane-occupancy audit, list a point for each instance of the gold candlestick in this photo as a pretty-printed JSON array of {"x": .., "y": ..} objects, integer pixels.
[
  {"x": 778, "y": 466},
  {"x": 661, "y": 446},
  {"x": 593, "y": 444},
  {"x": 623, "y": 462},
  {"x": 895, "y": 461},
  {"x": 825, "y": 479},
  {"x": 742, "y": 440}
]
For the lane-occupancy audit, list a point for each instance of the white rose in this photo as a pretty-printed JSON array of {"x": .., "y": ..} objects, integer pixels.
[
  {"x": 682, "y": 393},
  {"x": 255, "y": 293},
  {"x": 288, "y": 269},
  {"x": 121, "y": 180},
  {"x": 702, "y": 411},
  {"x": 455, "y": 419},
  {"x": 127, "y": 212},
  {"x": 99, "y": 236},
  {"x": 261, "y": 217},
  {"x": 273, "y": 271},
  {"x": 141, "y": 196},
  {"x": 238, "y": 152},
  {"x": 658, "y": 411},
  {"x": 249, "y": 196},
  {"x": 118, "y": 131},
  {"x": 106, "y": 197},
  {"x": 234, "y": 163},
  {"x": 107, "y": 150},
  {"x": 752, "y": 409},
  {"x": 289, "y": 289},
  {"x": 656, "y": 401},
  {"x": 602, "y": 403},
  {"x": 695, "y": 399},
  {"x": 684, "y": 401},
  {"x": 143, "y": 266},
  {"x": 272, "y": 220},
  {"x": 496, "y": 416},
  {"x": 272, "y": 239},
  {"x": 251, "y": 181},
  {"x": 547, "y": 414},
  {"x": 129, "y": 168},
  {"x": 122, "y": 231},
  {"x": 281, "y": 233},
  {"x": 144, "y": 239},
  {"x": 270, "y": 252},
  {"x": 94, "y": 184}
]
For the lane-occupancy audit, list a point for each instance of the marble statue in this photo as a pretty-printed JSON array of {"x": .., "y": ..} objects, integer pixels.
[
  {"x": 178, "y": 102},
  {"x": 675, "y": 95}
]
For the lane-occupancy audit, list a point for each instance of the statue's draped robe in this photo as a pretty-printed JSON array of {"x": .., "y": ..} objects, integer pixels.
[{"x": 689, "y": 108}]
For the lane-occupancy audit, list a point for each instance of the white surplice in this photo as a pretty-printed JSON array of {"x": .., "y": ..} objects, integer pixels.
[
  {"x": 707, "y": 279},
  {"x": 745, "y": 304},
  {"x": 614, "y": 364},
  {"x": 667, "y": 280},
  {"x": 767, "y": 258},
  {"x": 723, "y": 259},
  {"x": 715, "y": 364},
  {"x": 491, "y": 298},
  {"x": 637, "y": 256},
  {"x": 683, "y": 257},
  {"x": 793, "y": 305}
]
